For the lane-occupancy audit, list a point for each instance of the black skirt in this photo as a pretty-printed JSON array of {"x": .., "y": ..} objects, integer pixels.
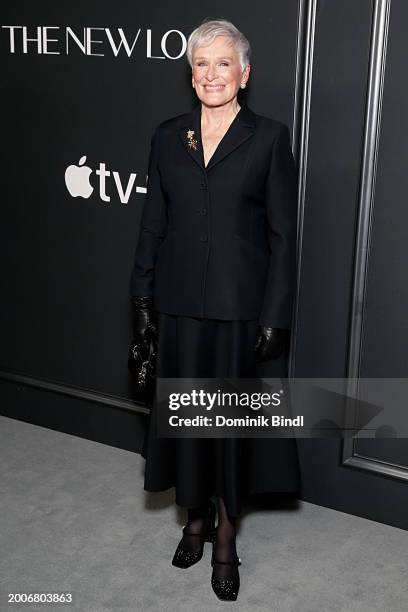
[{"x": 198, "y": 468}]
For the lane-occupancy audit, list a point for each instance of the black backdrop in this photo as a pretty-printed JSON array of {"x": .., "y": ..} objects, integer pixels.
[{"x": 67, "y": 260}]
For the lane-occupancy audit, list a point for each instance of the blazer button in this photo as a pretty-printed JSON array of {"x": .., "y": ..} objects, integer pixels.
[
  {"x": 203, "y": 185},
  {"x": 203, "y": 211},
  {"x": 204, "y": 238}
]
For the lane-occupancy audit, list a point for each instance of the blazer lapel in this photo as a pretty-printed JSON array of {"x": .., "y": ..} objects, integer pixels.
[{"x": 241, "y": 128}]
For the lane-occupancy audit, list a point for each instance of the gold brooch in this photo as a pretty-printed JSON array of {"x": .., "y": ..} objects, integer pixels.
[{"x": 192, "y": 143}]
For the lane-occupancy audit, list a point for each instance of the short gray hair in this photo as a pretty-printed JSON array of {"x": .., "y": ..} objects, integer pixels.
[{"x": 205, "y": 33}]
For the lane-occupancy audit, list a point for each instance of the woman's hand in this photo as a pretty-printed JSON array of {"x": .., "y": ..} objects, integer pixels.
[
  {"x": 270, "y": 343},
  {"x": 144, "y": 325},
  {"x": 143, "y": 349}
]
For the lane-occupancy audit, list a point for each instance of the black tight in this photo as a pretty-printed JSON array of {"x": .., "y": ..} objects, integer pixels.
[{"x": 225, "y": 547}]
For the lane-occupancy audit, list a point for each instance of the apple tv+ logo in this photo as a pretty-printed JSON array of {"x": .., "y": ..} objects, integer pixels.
[{"x": 78, "y": 183}]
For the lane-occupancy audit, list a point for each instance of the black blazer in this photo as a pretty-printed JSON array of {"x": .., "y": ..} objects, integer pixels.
[{"x": 219, "y": 241}]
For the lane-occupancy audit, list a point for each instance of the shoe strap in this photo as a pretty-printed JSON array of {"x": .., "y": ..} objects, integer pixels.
[{"x": 236, "y": 561}]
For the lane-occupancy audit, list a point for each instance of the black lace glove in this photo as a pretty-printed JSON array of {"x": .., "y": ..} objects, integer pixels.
[
  {"x": 270, "y": 343},
  {"x": 144, "y": 322},
  {"x": 143, "y": 349}
]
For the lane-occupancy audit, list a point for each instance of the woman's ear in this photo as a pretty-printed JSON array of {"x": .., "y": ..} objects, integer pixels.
[{"x": 245, "y": 74}]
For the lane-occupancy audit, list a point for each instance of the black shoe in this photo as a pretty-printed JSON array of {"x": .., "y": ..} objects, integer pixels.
[
  {"x": 186, "y": 558},
  {"x": 226, "y": 589}
]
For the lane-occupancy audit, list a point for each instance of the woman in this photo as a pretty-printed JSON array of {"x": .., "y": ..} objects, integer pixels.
[{"x": 213, "y": 283}]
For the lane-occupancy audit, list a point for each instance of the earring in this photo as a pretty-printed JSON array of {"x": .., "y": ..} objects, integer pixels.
[{"x": 243, "y": 85}]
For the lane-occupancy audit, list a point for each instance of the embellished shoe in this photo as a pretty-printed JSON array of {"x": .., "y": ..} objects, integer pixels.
[
  {"x": 226, "y": 589},
  {"x": 186, "y": 558}
]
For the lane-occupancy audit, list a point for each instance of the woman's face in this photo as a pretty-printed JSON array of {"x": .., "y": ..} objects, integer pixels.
[{"x": 217, "y": 73}]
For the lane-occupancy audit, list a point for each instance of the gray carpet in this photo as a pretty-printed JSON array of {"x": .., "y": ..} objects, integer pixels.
[{"x": 75, "y": 518}]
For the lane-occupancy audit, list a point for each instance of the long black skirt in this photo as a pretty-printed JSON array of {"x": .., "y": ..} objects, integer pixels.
[{"x": 198, "y": 468}]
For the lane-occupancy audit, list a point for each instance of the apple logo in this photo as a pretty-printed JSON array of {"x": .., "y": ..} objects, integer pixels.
[{"x": 77, "y": 179}]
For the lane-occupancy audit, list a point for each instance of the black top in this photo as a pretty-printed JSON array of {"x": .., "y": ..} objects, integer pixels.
[{"x": 219, "y": 241}]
